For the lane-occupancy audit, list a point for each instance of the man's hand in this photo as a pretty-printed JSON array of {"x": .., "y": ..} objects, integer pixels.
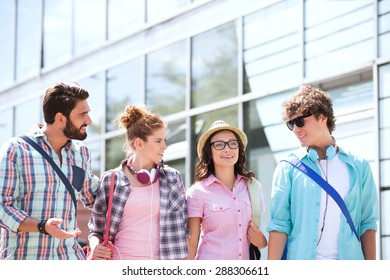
[{"x": 52, "y": 228}]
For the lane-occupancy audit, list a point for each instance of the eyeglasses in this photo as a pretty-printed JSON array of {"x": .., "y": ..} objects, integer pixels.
[
  {"x": 220, "y": 145},
  {"x": 299, "y": 122}
]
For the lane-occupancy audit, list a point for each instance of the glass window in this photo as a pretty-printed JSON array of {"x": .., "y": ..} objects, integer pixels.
[
  {"x": 384, "y": 81},
  {"x": 354, "y": 110},
  {"x": 263, "y": 122},
  {"x": 124, "y": 86},
  {"x": 7, "y": 33},
  {"x": 28, "y": 46},
  {"x": 6, "y": 125},
  {"x": 272, "y": 53},
  {"x": 90, "y": 29},
  {"x": 115, "y": 151},
  {"x": 384, "y": 113},
  {"x": 352, "y": 98},
  {"x": 166, "y": 79},
  {"x": 384, "y": 135},
  {"x": 27, "y": 116},
  {"x": 201, "y": 123},
  {"x": 384, "y": 27},
  {"x": 124, "y": 16},
  {"x": 267, "y": 137},
  {"x": 385, "y": 212},
  {"x": 95, "y": 148},
  {"x": 338, "y": 35},
  {"x": 385, "y": 175},
  {"x": 385, "y": 248},
  {"x": 157, "y": 9},
  {"x": 57, "y": 37},
  {"x": 177, "y": 146},
  {"x": 214, "y": 65},
  {"x": 95, "y": 87}
]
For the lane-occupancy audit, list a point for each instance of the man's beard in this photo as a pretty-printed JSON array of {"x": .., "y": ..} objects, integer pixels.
[{"x": 72, "y": 132}]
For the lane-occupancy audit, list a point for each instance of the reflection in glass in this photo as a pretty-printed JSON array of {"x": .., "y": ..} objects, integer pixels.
[
  {"x": 352, "y": 98},
  {"x": 115, "y": 151},
  {"x": 177, "y": 146},
  {"x": 338, "y": 35},
  {"x": 124, "y": 86},
  {"x": 89, "y": 30},
  {"x": 57, "y": 36},
  {"x": 124, "y": 16},
  {"x": 272, "y": 55},
  {"x": 7, "y": 54},
  {"x": 166, "y": 79},
  {"x": 96, "y": 157},
  {"x": 261, "y": 159},
  {"x": 28, "y": 48},
  {"x": 201, "y": 123},
  {"x": 157, "y": 9},
  {"x": 214, "y": 65},
  {"x": 27, "y": 116},
  {"x": 95, "y": 87},
  {"x": 6, "y": 125}
]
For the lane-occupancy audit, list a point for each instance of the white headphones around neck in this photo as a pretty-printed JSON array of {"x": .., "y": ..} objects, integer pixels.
[{"x": 331, "y": 151}]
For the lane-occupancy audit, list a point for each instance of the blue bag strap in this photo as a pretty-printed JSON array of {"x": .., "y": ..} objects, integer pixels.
[
  {"x": 327, "y": 187},
  {"x": 55, "y": 166}
]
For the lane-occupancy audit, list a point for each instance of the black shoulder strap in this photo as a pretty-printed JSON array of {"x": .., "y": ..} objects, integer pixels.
[{"x": 55, "y": 166}]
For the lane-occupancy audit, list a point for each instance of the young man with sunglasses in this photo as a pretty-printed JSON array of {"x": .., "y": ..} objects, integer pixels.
[{"x": 304, "y": 217}]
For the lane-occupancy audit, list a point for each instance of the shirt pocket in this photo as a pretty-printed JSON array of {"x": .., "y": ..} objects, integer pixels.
[{"x": 220, "y": 215}]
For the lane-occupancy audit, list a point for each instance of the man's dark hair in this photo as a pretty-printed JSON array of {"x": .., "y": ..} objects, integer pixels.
[{"x": 62, "y": 98}]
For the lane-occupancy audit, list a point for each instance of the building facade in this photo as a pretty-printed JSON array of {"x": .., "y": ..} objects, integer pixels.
[{"x": 198, "y": 61}]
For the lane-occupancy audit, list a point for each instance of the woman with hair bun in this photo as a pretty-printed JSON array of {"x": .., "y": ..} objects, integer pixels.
[{"x": 149, "y": 210}]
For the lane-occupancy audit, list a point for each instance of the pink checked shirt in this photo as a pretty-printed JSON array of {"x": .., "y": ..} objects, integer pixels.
[{"x": 225, "y": 218}]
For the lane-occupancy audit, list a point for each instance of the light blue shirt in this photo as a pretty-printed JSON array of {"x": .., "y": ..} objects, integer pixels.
[{"x": 295, "y": 207}]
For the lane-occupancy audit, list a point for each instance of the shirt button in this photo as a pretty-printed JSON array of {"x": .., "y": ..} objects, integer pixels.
[
  {"x": 234, "y": 198},
  {"x": 239, "y": 225},
  {"x": 239, "y": 210}
]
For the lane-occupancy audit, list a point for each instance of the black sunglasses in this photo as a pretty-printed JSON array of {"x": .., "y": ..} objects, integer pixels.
[{"x": 299, "y": 122}]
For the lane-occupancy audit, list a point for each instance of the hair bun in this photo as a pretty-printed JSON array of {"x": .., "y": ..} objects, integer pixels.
[{"x": 131, "y": 115}]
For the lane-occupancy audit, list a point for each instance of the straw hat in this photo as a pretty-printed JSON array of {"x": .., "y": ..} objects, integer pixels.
[{"x": 217, "y": 126}]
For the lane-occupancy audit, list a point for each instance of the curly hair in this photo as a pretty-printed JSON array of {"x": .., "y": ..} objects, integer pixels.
[
  {"x": 205, "y": 166},
  {"x": 309, "y": 99},
  {"x": 139, "y": 122}
]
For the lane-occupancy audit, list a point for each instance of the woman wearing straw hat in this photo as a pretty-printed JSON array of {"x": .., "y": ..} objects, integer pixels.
[{"x": 219, "y": 205}]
